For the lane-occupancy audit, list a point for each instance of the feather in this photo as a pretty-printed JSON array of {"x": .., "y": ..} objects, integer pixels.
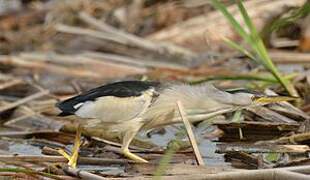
[{"x": 118, "y": 89}]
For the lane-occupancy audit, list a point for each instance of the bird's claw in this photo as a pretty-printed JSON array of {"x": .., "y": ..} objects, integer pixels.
[{"x": 75, "y": 150}]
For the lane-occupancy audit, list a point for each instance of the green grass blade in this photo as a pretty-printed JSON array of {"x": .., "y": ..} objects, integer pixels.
[
  {"x": 255, "y": 41},
  {"x": 163, "y": 164},
  {"x": 295, "y": 15},
  {"x": 262, "y": 52},
  {"x": 236, "y": 25},
  {"x": 239, "y": 48},
  {"x": 238, "y": 118},
  {"x": 173, "y": 147},
  {"x": 258, "y": 45},
  {"x": 247, "y": 19}
]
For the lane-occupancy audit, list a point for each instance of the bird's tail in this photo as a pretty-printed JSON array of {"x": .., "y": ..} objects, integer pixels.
[{"x": 65, "y": 107}]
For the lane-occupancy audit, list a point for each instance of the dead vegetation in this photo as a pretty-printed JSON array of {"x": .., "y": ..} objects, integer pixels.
[{"x": 54, "y": 49}]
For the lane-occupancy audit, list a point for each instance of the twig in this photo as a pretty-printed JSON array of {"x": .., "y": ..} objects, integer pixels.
[
  {"x": 10, "y": 83},
  {"x": 286, "y": 57},
  {"x": 29, "y": 172},
  {"x": 261, "y": 148},
  {"x": 28, "y": 112},
  {"x": 132, "y": 61},
  {"x": 54, "y": 63},
  {"x": 16, "y": 175},
  {"x": 88, "y": 32},
  {"x": 137, "y": 41},
  {"x": 121, "y": 34},
  {"x": 271, "y": 116},
  {"x": 45, "y": 158},
  {"x": 5, "y": 77},
  {"x": 82, "y": 174},
  {"x": 296, "y": 138},
  {"x": 24, "y": 100},
  {"x": 76, "y": 72},
  {"x": 23, "y": 134},
  {"x": 11, "y": 123},
  {"x": 50, "y": 151},
  {"x": 295, "y": 172},
  {"x": 190, "y": 134}
]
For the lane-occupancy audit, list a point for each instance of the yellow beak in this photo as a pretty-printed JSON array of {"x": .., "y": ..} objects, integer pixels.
[{"x": 274, "y": 99}]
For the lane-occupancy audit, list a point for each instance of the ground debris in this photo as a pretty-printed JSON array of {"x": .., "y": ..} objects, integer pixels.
[{"x": 51, "y": 50}]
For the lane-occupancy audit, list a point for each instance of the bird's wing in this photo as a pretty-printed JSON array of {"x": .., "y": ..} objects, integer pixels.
[
  {"x": 111, "y": 102},
  {"x": 114, "y": 109}
]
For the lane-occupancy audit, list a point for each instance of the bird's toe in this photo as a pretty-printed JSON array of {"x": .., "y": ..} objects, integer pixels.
[{"x": 134, "y": 157}]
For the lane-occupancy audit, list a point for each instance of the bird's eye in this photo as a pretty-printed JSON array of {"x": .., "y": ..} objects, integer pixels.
[{"x": 253, "y": 98}]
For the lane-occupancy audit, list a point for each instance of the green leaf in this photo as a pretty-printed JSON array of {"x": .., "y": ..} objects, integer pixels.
[
  {"x": 256, "y": 43},
  {"x": 273, "y": 157}
]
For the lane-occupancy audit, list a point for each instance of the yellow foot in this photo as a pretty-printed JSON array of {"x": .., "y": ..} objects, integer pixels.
[
  {"x": 134, "y": 157},
  {"x": 75, "y": 150}
]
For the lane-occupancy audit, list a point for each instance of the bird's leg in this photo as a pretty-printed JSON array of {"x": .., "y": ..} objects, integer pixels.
[
  {"x": 128, "y": 137},
  {"x": 75, "y": 150}
]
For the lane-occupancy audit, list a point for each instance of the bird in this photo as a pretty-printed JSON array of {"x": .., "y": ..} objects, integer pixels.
[{"x": 127, "y": 107}]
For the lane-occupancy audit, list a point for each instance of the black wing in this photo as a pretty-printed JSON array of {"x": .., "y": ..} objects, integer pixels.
[{"x": 117, "y": 89}]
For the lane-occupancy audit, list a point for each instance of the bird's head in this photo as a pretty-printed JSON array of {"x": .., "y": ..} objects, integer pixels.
[{"x": 253, "y": 98}]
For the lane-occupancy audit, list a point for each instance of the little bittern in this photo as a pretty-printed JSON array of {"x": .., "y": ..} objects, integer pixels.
[{"x": 130, "y": 106}]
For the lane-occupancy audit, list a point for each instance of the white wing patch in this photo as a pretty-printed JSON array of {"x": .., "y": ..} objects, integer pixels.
[
  {"x": 78, "y": 105},
  {"x": 87, "y": 109}
]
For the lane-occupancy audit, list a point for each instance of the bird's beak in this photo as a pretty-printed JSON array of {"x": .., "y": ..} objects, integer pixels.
[{"x": 273, "y": 99}]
